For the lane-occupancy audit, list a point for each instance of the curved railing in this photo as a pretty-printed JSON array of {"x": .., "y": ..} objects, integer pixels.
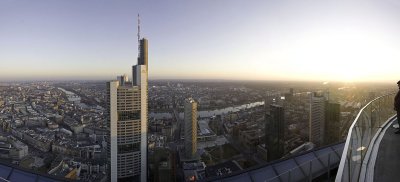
[{"x": 362, "y": 134}]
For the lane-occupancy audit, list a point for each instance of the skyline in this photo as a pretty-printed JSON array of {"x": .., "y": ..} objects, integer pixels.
[{"x": 273, "y": 40}]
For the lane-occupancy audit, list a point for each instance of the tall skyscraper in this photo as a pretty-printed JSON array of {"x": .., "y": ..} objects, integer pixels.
[
  {"x": 127, "y": 106},
  {"x": 332, "y": 123},
  {"x": 317, "y": 119},
  {"x": 190, "y": 128},
  {"x": 140, "y": 79},
  {"x": 270, "y": 98},
  {"x": 274, "y": 132}
]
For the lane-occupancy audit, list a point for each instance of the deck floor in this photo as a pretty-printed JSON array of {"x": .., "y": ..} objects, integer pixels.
[{"x": 387, "y": 167}]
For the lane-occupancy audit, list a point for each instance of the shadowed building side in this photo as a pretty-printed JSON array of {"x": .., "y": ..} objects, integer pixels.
[
  {"x": 274, "y": 132},
  {"x": 317, "y": 119},
  {"x": 332, "y": 123}
]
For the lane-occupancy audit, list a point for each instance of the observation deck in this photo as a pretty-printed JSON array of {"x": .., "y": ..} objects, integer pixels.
[
  {"x": 372, "y": 149},
  {"x": 388, "y": 159}
]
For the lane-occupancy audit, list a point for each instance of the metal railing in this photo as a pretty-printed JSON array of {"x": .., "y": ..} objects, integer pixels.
[{"x": 361, "y": 137}]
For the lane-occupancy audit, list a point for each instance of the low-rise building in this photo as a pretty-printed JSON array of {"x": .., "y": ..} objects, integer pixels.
[
  {"x": 251, "y": 138},
  {"x": 11, "y": 148}
]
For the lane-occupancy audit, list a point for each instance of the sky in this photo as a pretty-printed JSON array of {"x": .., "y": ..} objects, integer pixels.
[{"x": 324, "y": 40}]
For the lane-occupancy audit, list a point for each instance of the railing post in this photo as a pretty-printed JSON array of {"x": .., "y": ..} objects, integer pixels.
[{"x": 289, "y": 178}]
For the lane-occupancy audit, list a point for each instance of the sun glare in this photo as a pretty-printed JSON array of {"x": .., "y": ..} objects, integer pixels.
[{"x": 351, "y": 55}]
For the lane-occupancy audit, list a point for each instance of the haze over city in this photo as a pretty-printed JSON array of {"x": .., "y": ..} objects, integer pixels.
[{"x": 225, "y": 39}]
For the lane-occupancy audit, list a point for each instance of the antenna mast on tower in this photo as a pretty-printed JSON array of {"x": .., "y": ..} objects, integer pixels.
[{"x": 138, "y": 28}]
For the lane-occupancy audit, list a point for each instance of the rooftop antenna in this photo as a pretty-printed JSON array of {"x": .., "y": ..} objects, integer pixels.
[{"x": 138, "y": 28}]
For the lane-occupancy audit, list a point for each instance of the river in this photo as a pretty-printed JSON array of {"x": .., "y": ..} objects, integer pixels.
[
  {"x": 203, "y": 114},
  {"x": 72, "y": 97}
]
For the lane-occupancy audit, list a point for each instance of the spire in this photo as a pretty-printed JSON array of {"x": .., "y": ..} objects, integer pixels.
[
  {"x": 138, "y": 28},
  {"x": 142, "y": 46}
]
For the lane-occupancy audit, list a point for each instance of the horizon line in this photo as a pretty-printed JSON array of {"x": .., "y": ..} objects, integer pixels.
[{"x": 193, "y": 80}]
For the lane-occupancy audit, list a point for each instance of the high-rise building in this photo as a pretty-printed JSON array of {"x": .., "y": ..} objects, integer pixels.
[
  {"x": 127, "y": 107},
  {"x": 270, "y": 98},
  {"x": 123, "y": 79},
  {"x": 274, "y": 132},
  {"x": 190, "y": 119},
  {"x": 332, "y": 123},
  {"x": 124, "y": 141},
  {"x": 289, "y": 96},
  {"x": 317, "y": 119},
  {"x": 140, "y": 79}
]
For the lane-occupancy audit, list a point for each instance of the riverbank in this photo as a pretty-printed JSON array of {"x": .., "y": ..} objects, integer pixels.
[{"x": 208, "y": 113}]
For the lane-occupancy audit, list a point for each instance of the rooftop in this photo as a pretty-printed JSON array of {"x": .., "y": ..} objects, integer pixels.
[
  {"x": 14, "y": 173},
  {"x": 312, "y": 165}
]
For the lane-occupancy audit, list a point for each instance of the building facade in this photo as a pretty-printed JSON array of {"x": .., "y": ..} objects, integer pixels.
[
  {"x": 332, "y": 123},
  {"x": 317, "y": 119},
  {"x": 128, "y": 116},
  {"x": 190, "y": 119},
  {"x": 274, "y": 132}
]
